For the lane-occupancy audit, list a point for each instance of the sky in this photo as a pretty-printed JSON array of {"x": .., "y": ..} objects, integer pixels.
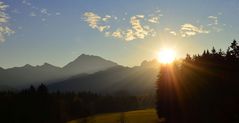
[{"x": 124, "y": 31}]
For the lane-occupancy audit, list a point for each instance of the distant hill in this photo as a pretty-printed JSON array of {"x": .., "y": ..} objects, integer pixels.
[
  {"x": 136, "y": 80},
  {"x": 87, "y": 64},
  {"x": 24, "y": 76}
]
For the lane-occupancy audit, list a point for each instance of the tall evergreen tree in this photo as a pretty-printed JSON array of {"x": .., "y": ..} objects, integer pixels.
[{"x": 203, "y": 89}]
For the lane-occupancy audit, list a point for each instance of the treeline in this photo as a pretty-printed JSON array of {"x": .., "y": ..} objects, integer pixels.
[
  {"x": 38, "y": 105},
  {"x": 201, "y": 89}
]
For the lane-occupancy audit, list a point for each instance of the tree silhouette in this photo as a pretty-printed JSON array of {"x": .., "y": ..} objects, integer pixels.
[
  {"x": 204, "y": 89},
  {"x": 41, "y": 106},
  {"x": 42, "y": 89},
  {"x": 168, "y": 103}
]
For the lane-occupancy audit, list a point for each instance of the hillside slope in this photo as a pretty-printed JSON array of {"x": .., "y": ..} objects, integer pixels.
[{"x": 136, "y": 80}]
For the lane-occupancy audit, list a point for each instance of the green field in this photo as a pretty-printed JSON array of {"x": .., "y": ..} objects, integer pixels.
[{"x": 138, "y": 116}]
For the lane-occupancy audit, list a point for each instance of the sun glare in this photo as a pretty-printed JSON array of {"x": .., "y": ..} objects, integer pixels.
[{"x": 166, "y": 56}]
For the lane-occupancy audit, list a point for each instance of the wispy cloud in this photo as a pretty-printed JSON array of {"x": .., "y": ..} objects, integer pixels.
[
  {"x": 173, "y": 33},
  {"x": 214, "y": 19},
  {"x": 139, "y": 30},
  {"x": 141, "y": 26},
  {"x": 106, "y": 18},
  {"x": 139, "y": 16},
  {"x": 35, "y": 11},
  {"x": 25, "y": 2},
  {"x": 117, "y": 34},
  {"x": 129, "y": 35},
  {"x": 92, "y": 19},
  {"x": 33, "y": 14},
  {"x": 138, "y": 25},
  {"x": 217, "y": 29},
  {"x": 45, "y": 12},
  {"x": 154, "y": 19},
  {"x": 103, "y": 28},
  {"x": 170, "y": 31},
  {"x": 188, "y": 30},
  {"x": 214, "y": 23},
  {"x": 4, "y": 29},
  {"x": 58, "y": 13}
]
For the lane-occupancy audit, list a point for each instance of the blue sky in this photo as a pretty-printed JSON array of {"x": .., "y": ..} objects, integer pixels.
[{"x": 124, "y": 31}]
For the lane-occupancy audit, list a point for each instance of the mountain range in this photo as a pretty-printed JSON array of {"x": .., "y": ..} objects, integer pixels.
[{"x": 85, "y": 73}]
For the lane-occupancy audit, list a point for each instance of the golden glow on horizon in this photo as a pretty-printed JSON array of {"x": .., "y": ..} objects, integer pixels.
[{"x": 166, "y": 56}]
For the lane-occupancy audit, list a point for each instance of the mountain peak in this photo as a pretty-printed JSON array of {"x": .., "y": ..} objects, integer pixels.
[
  {"x": 90, "y": 58},
  {"x": 28, "y": 66},
  {"x": 88, "y": 64},
  {"x": 47, "y": 64},
  {"x": 85, "y": 56},
  {"x": 150, "y": 63}
]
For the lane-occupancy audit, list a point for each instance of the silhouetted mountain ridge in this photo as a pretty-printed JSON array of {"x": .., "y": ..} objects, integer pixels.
[
  {"x": 26, "y": 75},
  {"x": 136, "y": 80},
  {"x": 87, "y": 64},
  {"x": 85, "y": 73}
]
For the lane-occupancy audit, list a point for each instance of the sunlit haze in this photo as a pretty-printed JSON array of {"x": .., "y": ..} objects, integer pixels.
[{"x": 166, "y": 56}]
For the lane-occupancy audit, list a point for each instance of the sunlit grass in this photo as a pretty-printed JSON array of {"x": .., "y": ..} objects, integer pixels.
[{"x": 138, "y": 116}]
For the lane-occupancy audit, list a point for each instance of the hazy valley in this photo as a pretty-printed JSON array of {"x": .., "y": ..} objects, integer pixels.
[{"x": 83, "y": 74}]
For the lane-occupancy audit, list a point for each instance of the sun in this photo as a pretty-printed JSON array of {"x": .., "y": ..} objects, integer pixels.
[{"x": 166, "y": 56}]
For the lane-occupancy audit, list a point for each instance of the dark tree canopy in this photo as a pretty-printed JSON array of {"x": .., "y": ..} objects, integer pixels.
[
  {"x": 201, "y": 89},
  {"x": 41, "y": 106}
]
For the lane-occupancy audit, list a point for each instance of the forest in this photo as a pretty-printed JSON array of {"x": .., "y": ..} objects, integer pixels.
[
  {"x": 38, "y": 105},
  {"x": 201, "y": 89}
]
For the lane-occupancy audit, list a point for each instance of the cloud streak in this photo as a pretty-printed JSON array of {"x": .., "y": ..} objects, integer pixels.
[
  {"x": 94, "y": 21},
  {"x": 188, "y": 30},
  {"x": 154, "y": 20},
  {"x": 215, "y": 26},
  {"x": 4, "y": 29},
  {"x": 138, "y": 25},
  {"x": 35, "y": 11},
  {"x": 142, "y": 26},
  {"x": 214, "y": 19},
  {"x": 139, "y": 31}
]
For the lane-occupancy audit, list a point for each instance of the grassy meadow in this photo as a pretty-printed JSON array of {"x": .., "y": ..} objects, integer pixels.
[{"x": 138, "y": 116}]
